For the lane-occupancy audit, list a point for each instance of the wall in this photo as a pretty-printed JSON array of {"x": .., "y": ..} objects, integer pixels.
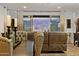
[
  {"x": 73, "y": 15},
  {"x": 41, "y": 13},
  {"x": 64, "y": 15},
  {"x": 3, "y": 13},
  {"x": 21, "y": 14},
  {"x": 12, "y": 13},
  {"x": 20, "y": 20}
]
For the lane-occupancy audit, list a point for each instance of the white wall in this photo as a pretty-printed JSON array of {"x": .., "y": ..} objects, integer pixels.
[
  {"x": 21, "y": 14},
  {"x": 3, "y": 13},
  {"x": 13, "y": 13},
  {"x": 41, "y": 13},
  {"x": 73, "y": 15},
  {"x": 70, "y": 15}
]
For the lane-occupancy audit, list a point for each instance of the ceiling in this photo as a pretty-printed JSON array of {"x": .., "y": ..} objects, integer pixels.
[{"x": 42, "y": 6}]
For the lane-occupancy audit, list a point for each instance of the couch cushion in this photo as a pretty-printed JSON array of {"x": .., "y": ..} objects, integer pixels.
[{"x": 57, "y": 47}]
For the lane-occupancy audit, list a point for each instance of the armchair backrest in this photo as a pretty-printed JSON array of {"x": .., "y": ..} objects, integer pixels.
[
  {"x": 39, "y": 38},
  {"x": 21, "y": 35},
  {"x": 5, "y": 46}
]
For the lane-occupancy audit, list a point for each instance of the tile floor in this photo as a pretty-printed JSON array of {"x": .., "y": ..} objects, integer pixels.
[
  {"x": 24, "y": 49},
  {"x": 21, "y": 50}
]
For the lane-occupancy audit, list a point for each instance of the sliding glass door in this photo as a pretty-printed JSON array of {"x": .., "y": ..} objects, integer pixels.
[
  {"x": 55, "y": 23},
  {"x": 41, "y": 24},
  {"x": 26, "y": 23}
]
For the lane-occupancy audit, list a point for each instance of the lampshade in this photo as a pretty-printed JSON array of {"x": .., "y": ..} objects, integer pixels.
[
  {"x": 15, "y": 25},
  {"x": 8, "y": 20}
]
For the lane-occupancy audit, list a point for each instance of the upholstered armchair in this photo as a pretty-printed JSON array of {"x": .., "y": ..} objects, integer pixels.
[
  {"x": 39, "y": 38},
  {"x": 6, "y": 46},
  {"x": 21, "y": 35}
]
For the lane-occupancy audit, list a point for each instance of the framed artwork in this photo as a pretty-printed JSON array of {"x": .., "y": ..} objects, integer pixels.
[{"x": 68, "y": 23}]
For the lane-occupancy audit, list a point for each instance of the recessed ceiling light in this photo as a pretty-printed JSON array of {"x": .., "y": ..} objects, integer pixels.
[
  {"x": 59, "y": 7},
  {"x": 25, "y": 7}
]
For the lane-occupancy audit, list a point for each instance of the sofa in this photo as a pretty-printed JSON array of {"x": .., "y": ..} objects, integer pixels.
[
  {"x": 57, "y": 41},
  {"x": 53, "y": 41},
  {"x": 20, "y": 36},
  {"x": 30, "y": 36},
  {"x": 45, "y": 42}
]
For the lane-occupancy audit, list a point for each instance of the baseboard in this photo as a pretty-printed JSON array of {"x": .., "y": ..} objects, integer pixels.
[
  {"x": 52, "y": 52},
  {"x": 49, "y": 52}
]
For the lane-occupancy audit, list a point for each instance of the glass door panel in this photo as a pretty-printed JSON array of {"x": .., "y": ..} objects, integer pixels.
[
  {"x": 27, "y": 23},
  {"x": 55, "y": 23},
  {"x": 41, "y": 24}
]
